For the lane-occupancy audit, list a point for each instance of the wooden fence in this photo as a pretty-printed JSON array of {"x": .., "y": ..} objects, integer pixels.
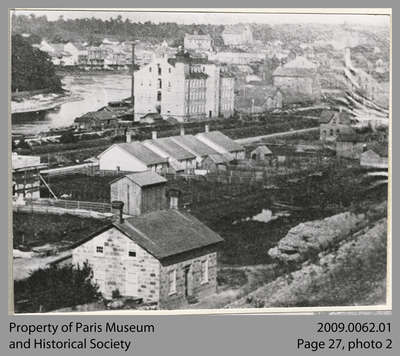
[{"x": 72, "y": 205}]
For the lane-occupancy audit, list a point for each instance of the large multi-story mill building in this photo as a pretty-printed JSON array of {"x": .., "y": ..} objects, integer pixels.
[{"x": 185, "y": 88}]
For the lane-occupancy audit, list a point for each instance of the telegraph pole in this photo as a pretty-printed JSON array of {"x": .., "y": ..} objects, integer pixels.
[{"x": 133, "y": 81}]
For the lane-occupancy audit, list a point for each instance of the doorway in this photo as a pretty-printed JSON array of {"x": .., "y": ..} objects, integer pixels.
[{"x": 188, "y": 281}]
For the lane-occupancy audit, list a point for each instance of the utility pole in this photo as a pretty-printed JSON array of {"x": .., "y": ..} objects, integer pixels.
[{"x": 133, "y": 82}]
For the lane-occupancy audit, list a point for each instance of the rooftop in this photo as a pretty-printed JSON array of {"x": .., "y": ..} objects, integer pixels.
[
  {"x": 167, "y": 233},
  {"x": 140, "y": 152},
  {"x": 170, "y": 147},
  {"x": 220, "y": 158},
  {"x": 221, "y": 140},
  {"x": 143, "y": 179},
  {"x": 193, "y": 144}
]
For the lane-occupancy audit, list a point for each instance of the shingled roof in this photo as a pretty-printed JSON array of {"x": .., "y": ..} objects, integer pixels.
[
  {"x": 167, "y": 233},
  {"x": 194, "y": 145},
  {"x": 173, "y": 150},
  {"x": 141, "y": 152},
  {"x": 143, "y": 179},
  {"x": 221, "y": 140}
]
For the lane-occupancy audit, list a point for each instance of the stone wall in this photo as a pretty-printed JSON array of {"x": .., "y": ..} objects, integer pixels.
[
  {"x": 197, "y": 289},
  {"x": 136, "y": 276}
]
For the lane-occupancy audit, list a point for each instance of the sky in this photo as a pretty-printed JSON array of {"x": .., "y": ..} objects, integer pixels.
[{"x": 219, "y": 18}]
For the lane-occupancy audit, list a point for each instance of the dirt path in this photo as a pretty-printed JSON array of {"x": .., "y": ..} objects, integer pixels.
[{"x": 247, "y": 140}]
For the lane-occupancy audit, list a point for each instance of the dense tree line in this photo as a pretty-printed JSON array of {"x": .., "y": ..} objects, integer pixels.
[
  {"x": 31, "y": 69},
  {"x": 94, "y": 30}
]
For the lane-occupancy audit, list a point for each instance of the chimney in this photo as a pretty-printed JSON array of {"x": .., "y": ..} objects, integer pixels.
[
  {"x": 207, "y": 128},
  {"x": 154, "y": 135},
  {"x": 174, "y": 198},
  {"x": 182, "y": 131},
  {"x": 128, "y": 137},
  {"x": 117, "y": 204}
]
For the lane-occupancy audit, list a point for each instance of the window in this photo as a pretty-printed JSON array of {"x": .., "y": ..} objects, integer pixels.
[
  {"x": 132, "y": 253},
  {"x": 99, "y": 249},
  {"x": 159, "y": 70},
  {"x": 169, "y": 70},
  {"x": 204, "y": 271},
  {"x": 159, "y": 84},
  {"x": 331, "y": 132},
  {"x": 159, "y": 96},
  {"x": 150, "y": 69},
  {"x": 172, "y": 281},
  {"x": 169, "y": 84}
]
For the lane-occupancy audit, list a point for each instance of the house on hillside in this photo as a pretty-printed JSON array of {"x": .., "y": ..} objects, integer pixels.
[
  {"x": 166, "y": 257},
  {"x": 198, "y": 41},
  {"x": 334, "y": 123},
  {"x": 132, "y": 157},
  {"x": 222, "y": 143},
  {"x": 298, "y": 80},
  {"x": 141, "y": 192},
  {"x": 237, "y": 35},
  {"x": 178, "y": 157}
]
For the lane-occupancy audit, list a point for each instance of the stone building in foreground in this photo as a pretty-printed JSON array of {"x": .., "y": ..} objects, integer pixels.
[{"x": 165, "y": 256}]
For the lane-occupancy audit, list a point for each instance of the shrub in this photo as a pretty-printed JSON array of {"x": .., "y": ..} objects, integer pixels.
[{"x": 54, "y": 288}]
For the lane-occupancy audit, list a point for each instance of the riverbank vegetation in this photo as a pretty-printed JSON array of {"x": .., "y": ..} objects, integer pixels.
[{"x": 31, "y": 69}]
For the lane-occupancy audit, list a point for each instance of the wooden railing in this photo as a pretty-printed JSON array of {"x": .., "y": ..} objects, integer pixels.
[{"x": 72, "y": 205}]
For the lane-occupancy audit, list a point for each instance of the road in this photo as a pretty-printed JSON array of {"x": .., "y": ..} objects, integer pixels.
[{"x": 248, "y": 140}]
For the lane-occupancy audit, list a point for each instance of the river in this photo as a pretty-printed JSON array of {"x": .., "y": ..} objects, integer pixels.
[{"x": 94, "y": 91}]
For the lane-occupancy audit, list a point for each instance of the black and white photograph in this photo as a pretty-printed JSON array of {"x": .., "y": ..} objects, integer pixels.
[{"x": 201, "y": 161}]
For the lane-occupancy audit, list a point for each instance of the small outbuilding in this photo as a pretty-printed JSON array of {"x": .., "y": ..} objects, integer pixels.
[
  {"x": 261, "y": 153},
  {"x": 140, "y": 192}
]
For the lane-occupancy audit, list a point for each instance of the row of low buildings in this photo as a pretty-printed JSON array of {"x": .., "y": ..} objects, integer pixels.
[{"x": 183, "y": 153}]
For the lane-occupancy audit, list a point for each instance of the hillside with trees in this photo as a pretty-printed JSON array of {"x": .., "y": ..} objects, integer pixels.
[{"x": 31, "y": 69}]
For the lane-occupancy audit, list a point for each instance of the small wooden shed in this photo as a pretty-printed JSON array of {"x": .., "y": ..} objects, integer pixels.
[
  {"x": 260, "y": 153},
  {"x": 140, "y": 192}
]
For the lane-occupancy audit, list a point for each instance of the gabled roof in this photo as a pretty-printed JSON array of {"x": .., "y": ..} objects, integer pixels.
[
  {"x": 196, "y": 146},
  {"x": 263, "y": 149},
  {"x": 170, "y": 147},
  {"x": 167, "y": 233},
  {"x": 141, "y": 152},
  {"x": 221, "y": 140},
  {"x": 326, "y": 116},
  {"x": 143, "y": 179},
  {"x": 221, "y": 158},
  {"x": 102, "y": 115}
]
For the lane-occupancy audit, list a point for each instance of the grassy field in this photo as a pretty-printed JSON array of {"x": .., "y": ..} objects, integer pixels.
[{"x": 30, "y": 229}]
